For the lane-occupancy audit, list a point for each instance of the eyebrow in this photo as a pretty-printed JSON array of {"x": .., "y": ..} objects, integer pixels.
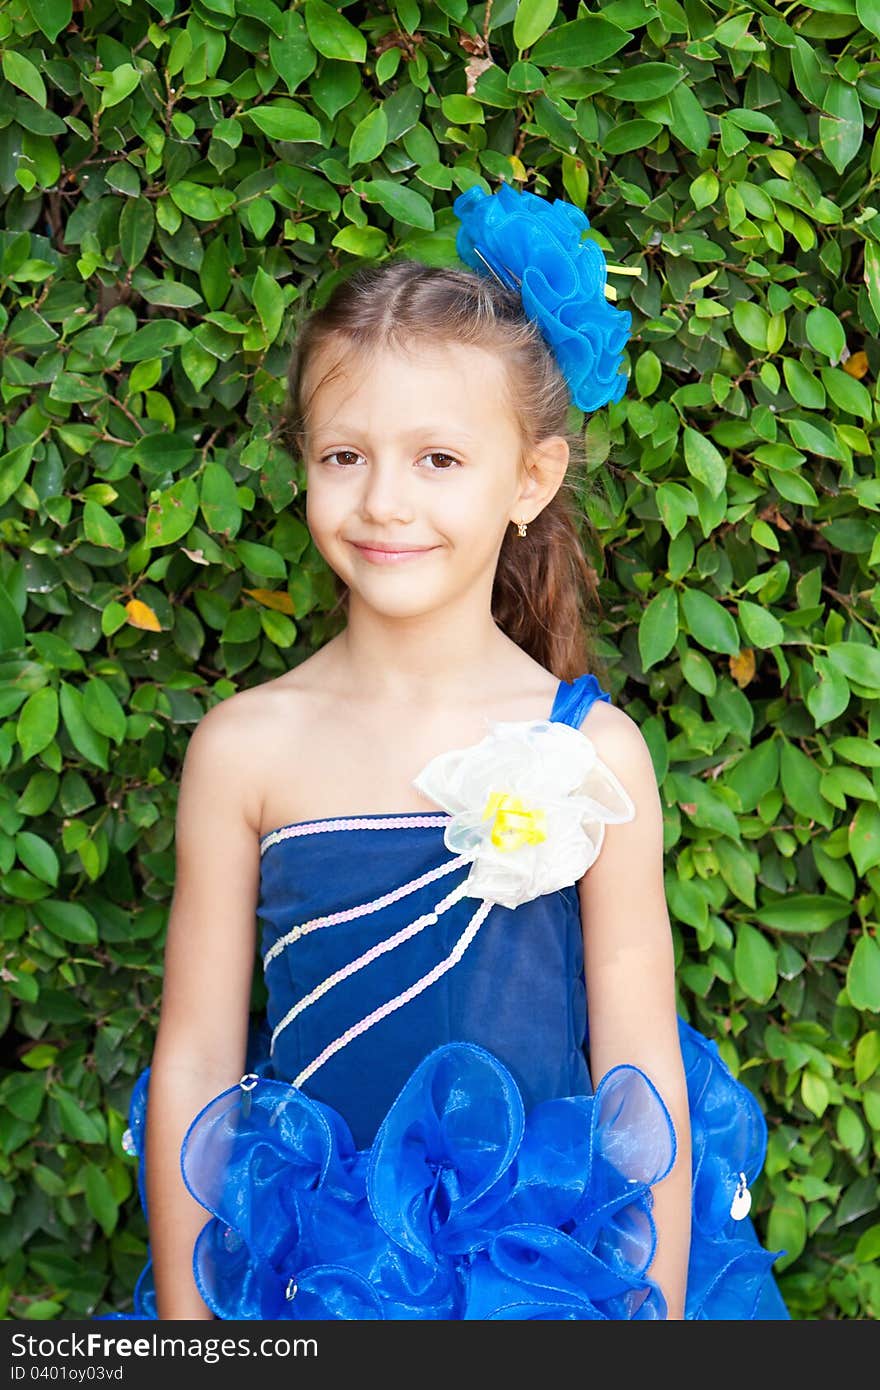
[{"x": 440, "y": 430}]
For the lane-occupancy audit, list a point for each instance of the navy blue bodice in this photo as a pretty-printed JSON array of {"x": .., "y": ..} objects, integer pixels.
[{"x": 355, "y": 916}]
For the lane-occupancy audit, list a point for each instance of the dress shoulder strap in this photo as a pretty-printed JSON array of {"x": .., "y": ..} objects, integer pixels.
[{"x": 574, "y": 699}]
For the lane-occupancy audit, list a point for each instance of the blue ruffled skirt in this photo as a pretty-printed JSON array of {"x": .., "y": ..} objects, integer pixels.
[{"x": 464, "y": 1206}]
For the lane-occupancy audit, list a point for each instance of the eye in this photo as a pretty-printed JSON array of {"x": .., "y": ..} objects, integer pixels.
[
  {"x": 340, "y": 453},
  {"x": 435, "y": 454},
  {"x": 350, "y": 453}
]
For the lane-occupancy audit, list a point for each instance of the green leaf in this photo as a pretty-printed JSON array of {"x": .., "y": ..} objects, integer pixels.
[
  {"x": 754, "y": 964},
  {"x": 760, "y": 627},
  {"x": 825, "y": 332},
  {"x": 99, "y": 1198},
  {"x": 23, "y": 1095},
  {"x": 867, "y": 1249},
  {"x": 368, "y": 242},
  {"x": 91, "y": 745},
  {"x": 401, "y": 202},
  {"x": 332, "y": 34},
  {"x": 278, "y": 628},
  {"x": 857, "y": 661},
  {"x": 704, "y": 189},
  {"x": 11, "y": 626},
  {"x": 85, "y": 1127},
  {"x": 369, "y": 137},
  {"x": 645, "y": 82},
  {"x": 868, "y": 12},
  {"x": 658, "y": 628},
  {"x": 21, "y": 72},
  {"x": 37, "y": 856},
  {"x": 847, "y": 393},
  {"x": 37, "y": 722},
  {"x": 787, "y": 1228},
  {"x": 283, "y": 121},
  {"x": 815, "y": 438},
  {"x": 752, "y": 323},
  {"x": 863, "y": 975},
  {"x": 269, "y": 302},
  {"x": 533, "y": 18},
  {"x": 51, "y": 15},
  {"x": 172, "y": 513},
  {"x": 814, "y": 1092},
  {"x": 841, "y": 131},
  {"x": 631, "y": 135},
  {"x": 219, "y": 501},
  {"x": 850, "y": 1130},
  {"x": 103, "y": 710},
  {"x": 100, "y": 528},
  {"x": 14, "y": 469},
  {"x": 710, "y": 623},
  {"x": 137, "y": 223},
  {"x": 153, "y": 340},
  {"x": 202, "y": 203},
  {"x": 800, "y": 780},
  {"x": 198, "y": 363},
  {"x": 803, "y": 912},
  {"x": 117, "y": 84},
  {"x": 584, "y": 43},
  {"x": 68, "y": 920},
  {"x": 872, "y": 274},
  {"x": 704, "y": 462},
  {"x": 290, "y": 53},
  {"x": 867, "y": 1056},
  {"x": 261, "y": 560},
  {"x": 864, "y": 837},
  {"x": 806, "y": 389},
  {"x": 687, "y": 119}
]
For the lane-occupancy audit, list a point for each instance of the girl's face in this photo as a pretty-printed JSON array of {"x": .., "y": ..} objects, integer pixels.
[{"x": 414, "y": 451}]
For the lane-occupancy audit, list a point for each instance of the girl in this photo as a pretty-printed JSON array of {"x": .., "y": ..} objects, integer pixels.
[{"x": 453, "y": 840}]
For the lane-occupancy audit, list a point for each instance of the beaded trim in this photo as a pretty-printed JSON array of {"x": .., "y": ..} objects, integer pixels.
[
  {"x": 377, "y": 1015},
  {"x": 379, "y": 949},
  {"x": 350, "y": 914},
  {"x": 317, "y": 827}
]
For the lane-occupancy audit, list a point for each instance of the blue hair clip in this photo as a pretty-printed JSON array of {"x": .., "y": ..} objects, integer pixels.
[
  {"x": 536, "y": 247},
  {"x": 503, "y": 274}
]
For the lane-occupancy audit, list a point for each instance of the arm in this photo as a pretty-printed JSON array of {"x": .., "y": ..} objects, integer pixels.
[
  {"x": 630, "y": 976},
  {"x": 209, "y": 955}
]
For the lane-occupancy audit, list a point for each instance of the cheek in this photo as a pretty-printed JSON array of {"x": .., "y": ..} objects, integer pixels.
[{"x": 322, "y": 507}]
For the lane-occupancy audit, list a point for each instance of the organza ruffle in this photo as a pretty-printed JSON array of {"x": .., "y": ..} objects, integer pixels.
[
  {"x": 466, "y": 1207},
  {"x": 562, "y": 282}
]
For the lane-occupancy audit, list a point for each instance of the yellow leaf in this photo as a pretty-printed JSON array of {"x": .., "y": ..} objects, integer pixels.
[
  {"x": 142, "y": 615},
  {"x": 277, "y": 599},
  {"x": 857, "y": 365},
  {"x": 742, "y": 666}
]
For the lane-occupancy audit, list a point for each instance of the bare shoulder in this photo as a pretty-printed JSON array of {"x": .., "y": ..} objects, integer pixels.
[
  {"x": 230, "y": 749},
  {"x": 631, "y": 851},
  {"x": 620, "y": 743}
]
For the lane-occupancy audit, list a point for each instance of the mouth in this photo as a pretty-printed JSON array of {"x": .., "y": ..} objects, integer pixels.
[{"x": 389, "y": 555}]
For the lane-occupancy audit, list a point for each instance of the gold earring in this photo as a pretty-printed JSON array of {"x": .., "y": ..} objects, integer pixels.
[{"x": 521, "y": 527}]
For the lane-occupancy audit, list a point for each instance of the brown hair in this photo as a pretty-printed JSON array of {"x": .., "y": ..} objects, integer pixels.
[{"x": 545, "y": 595}]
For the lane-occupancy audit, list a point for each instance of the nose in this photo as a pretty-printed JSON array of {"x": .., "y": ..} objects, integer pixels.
[{"x": 385, "y": 495}]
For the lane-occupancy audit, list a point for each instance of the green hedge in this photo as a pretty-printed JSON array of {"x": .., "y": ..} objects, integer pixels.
[{"x": 180, "y": 183}]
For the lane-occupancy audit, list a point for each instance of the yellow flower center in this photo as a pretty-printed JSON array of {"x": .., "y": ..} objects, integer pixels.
[{"x": 514, "y": 823}]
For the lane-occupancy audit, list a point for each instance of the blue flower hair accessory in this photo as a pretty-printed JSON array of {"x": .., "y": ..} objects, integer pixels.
[{"x": 535, "y": 246}]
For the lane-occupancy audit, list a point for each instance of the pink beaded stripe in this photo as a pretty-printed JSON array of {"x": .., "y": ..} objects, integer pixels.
[
  {"x": 380, "y": 948},
  {"x": 453, "y": 958},
  {"x": 350, "y": 914},
  {"x": 319, "y": 827}
]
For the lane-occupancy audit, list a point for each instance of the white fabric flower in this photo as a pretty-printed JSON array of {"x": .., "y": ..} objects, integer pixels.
[{"x": 529, "y": 804}]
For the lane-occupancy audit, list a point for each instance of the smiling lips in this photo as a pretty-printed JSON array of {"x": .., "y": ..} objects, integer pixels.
[{"x": 385, "y": 554}]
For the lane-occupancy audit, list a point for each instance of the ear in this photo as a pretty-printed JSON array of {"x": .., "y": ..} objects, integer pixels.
[{"x": 544, "y": 470}]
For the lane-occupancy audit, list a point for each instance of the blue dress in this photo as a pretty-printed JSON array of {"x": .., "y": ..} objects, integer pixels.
[{"x": 417, "y": 1135}]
